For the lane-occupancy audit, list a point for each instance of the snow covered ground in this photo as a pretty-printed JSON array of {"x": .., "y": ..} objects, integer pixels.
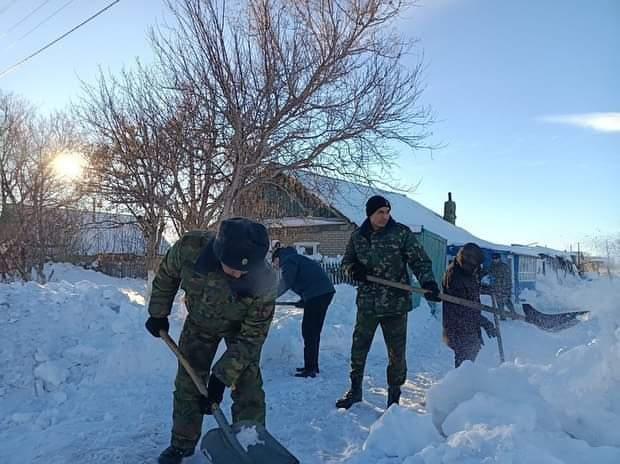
[{"x": 81, "y": 381}]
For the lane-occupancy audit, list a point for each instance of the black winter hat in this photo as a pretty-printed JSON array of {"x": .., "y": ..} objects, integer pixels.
[
  {"x": 374, "y": 203},
  {"x": 241, "y": 244}
]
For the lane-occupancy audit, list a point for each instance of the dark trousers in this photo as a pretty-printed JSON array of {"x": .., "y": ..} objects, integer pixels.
[
  {"x": 311, "y": 326},
  {"x": 465, "y": 353}
]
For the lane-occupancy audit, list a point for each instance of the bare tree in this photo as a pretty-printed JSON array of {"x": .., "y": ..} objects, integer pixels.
[
  {"x": 607, "y": 246},
  {"x": 129, "y": 166},
  {"x": 36, "y": 202},
  {"x": 294, "y": 84}
]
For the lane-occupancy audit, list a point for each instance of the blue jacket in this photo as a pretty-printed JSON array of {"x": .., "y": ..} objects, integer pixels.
[{"x": 302, "y": 275}]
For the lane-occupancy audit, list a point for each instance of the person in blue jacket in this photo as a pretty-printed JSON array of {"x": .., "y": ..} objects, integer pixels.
[{"x": 306, "y": 278}]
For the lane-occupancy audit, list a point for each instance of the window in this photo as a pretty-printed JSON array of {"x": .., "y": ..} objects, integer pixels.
[
  {"x": 527, "y": 269},
  {"x": 307, "y": 248}
]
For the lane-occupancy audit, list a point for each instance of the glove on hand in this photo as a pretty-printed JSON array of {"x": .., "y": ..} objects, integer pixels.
[
  {"x": 358, "y": 272},
  {"x": 489, "y": 328},
  {"x": 432, "y": 293},
  {"x": 155, "y": 324},
  {"x": 215, "y": 395}
]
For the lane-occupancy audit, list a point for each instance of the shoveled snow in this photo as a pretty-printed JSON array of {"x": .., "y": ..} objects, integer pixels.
[
  {"x": 248, "y": 436},
  {"x": 81, "y": 381}
]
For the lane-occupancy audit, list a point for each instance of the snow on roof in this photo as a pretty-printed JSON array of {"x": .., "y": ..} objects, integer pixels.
[
  {"x": 112, "y": 233},
  {"x": 350, "y": 199},
  {"x": 300, "y": 222}
]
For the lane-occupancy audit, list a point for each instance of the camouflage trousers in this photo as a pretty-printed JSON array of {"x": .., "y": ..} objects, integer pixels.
[
  {"x": 395, "y": 335},
  {"x": 248, "y": 395}
]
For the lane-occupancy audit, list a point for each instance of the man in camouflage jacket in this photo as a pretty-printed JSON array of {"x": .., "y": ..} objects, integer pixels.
[
  {"x": 384, "y": 248},
  {"x": 230, "y": 294},
  {"x": 501, "y": 283}
]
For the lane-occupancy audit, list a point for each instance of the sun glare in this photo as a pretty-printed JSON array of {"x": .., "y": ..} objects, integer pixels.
[{"x": 68, "y": 165}]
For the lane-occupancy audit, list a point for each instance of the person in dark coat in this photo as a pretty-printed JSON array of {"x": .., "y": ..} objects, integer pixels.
[
  {"x": 501, "y": 284},
  {"x": 461, "y": 325},
  {"x": 308, "y": 279}
]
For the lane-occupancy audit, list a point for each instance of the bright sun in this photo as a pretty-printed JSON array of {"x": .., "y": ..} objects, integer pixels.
[{"x": 68, "y": 165}]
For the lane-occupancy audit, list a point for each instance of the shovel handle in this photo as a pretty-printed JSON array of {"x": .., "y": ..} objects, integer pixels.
[
  {"x": 219, "y": 416},
  {"x": 184, "y": 362},
  {"x": 449, "y": 298}
]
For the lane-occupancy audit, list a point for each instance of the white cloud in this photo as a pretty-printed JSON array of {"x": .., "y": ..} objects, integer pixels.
[{"x": 600, "y": 122}]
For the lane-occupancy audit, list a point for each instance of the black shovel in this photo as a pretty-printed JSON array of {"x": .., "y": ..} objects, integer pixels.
[
  {"x": 222, "y": 445},
  {"x": 532, "y": 316}
]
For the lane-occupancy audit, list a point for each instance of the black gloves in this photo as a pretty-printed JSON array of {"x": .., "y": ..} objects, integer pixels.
[
  {"x": 299, "y": 304},
  {"x": 488, "y": 327},
  {"x": 432, "y": 293},
  {"x": 215, "y": 395},
  {"x": 155, "y": 324},
  {"x": 358, "y": 272}
]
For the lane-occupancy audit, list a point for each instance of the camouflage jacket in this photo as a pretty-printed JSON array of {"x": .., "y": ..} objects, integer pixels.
[
  {"x": 386, "y": 254},
  {"x": 501, "y": 283},
  {"x": 239, "y": 310}
]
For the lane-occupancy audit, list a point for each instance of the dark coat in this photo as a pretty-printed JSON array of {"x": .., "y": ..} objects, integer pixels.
[
  {"x": 461, "y": 326},
  {"x": 501, "y": 283},
  {"x": 302, "y": 275}
]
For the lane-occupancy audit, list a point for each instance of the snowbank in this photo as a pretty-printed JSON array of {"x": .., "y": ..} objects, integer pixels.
[{"x": 565, "y": 410}]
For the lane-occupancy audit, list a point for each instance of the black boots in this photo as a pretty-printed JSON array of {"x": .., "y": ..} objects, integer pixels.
[
  {"x": 174, "y": 455},
  {"x": 354, "y": 395},
  {"x": 393, "y": 396},
  {"x": 307, "y": 373},
  {"x": 299, "y": 369}
]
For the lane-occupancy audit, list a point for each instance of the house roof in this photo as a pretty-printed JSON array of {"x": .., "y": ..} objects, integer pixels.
[
  {"x": 349, "y": 199},
  {"x": 301, "y": 222}
]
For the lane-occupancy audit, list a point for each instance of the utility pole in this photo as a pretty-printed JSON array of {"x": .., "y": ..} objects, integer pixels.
[{"x": 608, "y": 259}]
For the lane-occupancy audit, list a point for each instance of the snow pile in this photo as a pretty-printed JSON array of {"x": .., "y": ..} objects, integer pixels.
[
  {"x": 82, "y": 381},
  {"x": 565, "y": 410},
  {"x": 248, "y": 436}
]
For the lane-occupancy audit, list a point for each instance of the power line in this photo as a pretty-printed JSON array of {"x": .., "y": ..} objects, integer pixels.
[
  {"x": 18, "y": 64},
  {"x": 21, "y": 21},
  {"x": 39, "y": 25}
]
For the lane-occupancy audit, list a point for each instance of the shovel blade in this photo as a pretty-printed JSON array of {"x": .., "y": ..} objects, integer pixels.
[
  {"x": 267, "y": 449},
  {"x": 217, "y": 450}
]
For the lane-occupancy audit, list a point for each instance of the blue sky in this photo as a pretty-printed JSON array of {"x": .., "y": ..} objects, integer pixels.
[{"x": 513, "y": 86}]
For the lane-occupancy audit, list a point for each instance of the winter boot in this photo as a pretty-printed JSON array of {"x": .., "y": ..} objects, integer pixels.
[
  {"x": 174, "y": 455},
  {"x": 354, "y": 395},
  {"x": 307, "y": 373},
  {"x": 301, "y": 369},
  {"x": 393, "y": 396}
]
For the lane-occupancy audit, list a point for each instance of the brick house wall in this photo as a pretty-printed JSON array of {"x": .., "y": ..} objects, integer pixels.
[
  {"x": 285, "y": 197},
  {"x": 332, "y": 239}
]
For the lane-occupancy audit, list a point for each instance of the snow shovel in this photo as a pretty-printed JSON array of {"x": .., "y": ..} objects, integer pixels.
[
  {"x": 540, "y": 320},
  {"x": 551, "y": 322},
  {"x": 222, "y": 445}
]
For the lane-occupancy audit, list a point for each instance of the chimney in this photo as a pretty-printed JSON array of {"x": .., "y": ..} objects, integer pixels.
[{"x": 449, "y": 210}]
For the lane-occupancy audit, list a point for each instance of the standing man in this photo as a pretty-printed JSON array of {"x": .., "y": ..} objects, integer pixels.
[
  {"x": 230, "y": 295},
  {"x": 306, "y": 278},
  {"x": 461, "y": 325},
  {"x": 501, "y": 283},
  {"x": 383, "y": 248}
]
